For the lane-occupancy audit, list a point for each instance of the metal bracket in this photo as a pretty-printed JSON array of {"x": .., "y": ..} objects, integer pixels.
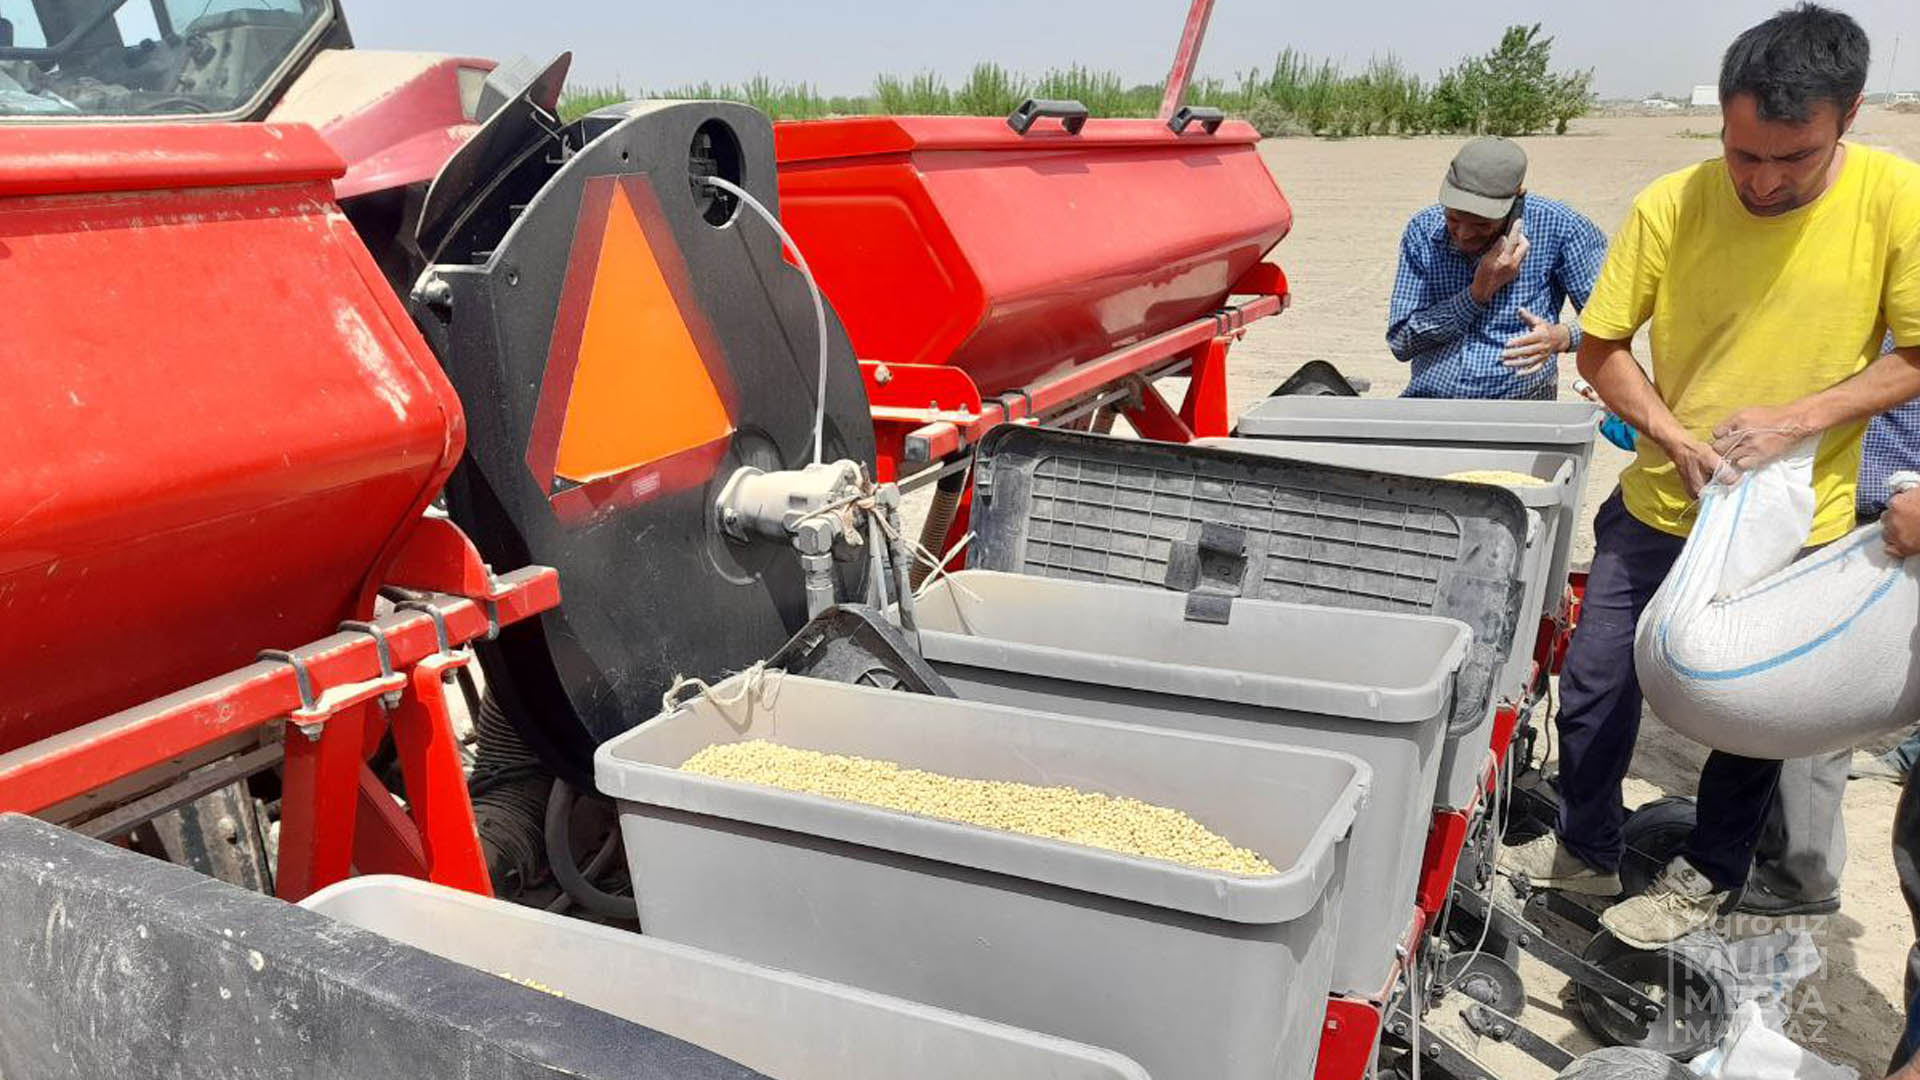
[
  {"x": 443, "y": 643},
  {"x": 301, "y": 676},
  {"x": 1211, "y": 571},
  {"x": 382, "y": 651}
]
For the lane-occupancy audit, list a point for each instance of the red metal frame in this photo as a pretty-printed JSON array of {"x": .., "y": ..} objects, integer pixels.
[
  {"x": 329, "y": 728},
  {"x": 925, "y": 413}
]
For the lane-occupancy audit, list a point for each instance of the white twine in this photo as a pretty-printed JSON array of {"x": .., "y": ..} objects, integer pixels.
[{"x": 753, "y": 683}]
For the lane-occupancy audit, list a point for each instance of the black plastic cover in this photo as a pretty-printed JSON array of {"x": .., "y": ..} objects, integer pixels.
[
  {"x": 1100, "y": 508},
  {"x": 853, "y": 643}
]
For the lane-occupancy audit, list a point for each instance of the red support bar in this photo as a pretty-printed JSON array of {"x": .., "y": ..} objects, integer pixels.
[
  {"x": 72, "y": 763},
  {"x": 1153, "y": 418},
  {"x": 1204, "y": 410},
  {"x": 436, "y": 787},
  {"x": 943, "y": 437},
  {"x": 319, "y": 795}
]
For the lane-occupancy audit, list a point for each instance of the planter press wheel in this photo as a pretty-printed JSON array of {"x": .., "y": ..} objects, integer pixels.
[
  {"x": 1697, "y": 1000},
  {"x": 1498, "y": 994}
]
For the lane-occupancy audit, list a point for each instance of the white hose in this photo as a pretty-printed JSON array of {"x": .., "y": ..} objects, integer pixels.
[{"x": 819, "y": 305}]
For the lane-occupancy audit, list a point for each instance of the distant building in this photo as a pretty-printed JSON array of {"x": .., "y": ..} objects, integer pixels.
[
  {"x": 1659, "y": 103},
  {"x": 1906, "y": 97},
  {"x": 1706, "y": 96}
]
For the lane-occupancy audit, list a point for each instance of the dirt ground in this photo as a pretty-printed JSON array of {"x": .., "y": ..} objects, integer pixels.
[{"x": 1351, "y": 199}]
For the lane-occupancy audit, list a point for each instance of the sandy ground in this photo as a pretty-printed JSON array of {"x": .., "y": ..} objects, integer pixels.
[{"x": 1351, "y": 199}]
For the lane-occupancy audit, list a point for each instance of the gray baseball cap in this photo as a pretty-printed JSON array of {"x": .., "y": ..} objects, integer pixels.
[{"x": 1485, "y": 177}]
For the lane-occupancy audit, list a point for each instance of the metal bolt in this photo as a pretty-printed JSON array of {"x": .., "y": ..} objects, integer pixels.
[
  {"x": 882, "y": 374},
  {"x": 1432, "y": 1050},
  {"x": 1523, "y": 940},
  {"x": 1400, "y": 1028},
  {"x": 311, "y": 730},
  {"x": 1333, "y": 1024}
]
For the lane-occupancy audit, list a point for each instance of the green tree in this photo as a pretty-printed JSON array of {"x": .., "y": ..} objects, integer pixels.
[
  {"x": 1572, "y": 97},
  {"x": 1458, "y": 102},
  {"x": 1519, "y": 88}
]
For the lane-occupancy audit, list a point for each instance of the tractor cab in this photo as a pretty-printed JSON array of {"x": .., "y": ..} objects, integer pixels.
[{"x": 79, "y": 60}]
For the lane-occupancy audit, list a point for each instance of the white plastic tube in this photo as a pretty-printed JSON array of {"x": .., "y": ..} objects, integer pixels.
[{"x": 819, "y": 306}]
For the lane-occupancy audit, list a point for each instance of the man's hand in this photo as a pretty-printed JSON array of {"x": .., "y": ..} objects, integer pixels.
[
  {"x": 1500, "y": 265},
  {"x": 1752, "y": 437},
  {"x": 1900, "y": 526},
  {"x": 1696, "y": 462},
  {"x": 1543, "y": 341}
]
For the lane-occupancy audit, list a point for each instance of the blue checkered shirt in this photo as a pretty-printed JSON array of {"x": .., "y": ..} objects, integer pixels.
[
  {"x": 1452, "y": 342},
  {"x": 1892, "y": 444}
]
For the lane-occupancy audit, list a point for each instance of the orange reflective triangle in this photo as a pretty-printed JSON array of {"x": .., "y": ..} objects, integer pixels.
[{"x": 641, "y": 390}]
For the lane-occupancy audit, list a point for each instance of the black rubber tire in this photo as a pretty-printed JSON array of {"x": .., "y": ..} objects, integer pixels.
[{"x": 1682, "y": 1032}]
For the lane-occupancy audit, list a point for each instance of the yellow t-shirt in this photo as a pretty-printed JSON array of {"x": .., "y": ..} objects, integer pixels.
[{"x": 1751, "y": 311}]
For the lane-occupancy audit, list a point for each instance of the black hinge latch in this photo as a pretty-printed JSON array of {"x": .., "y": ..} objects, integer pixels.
[{"x": 1210, "y": 570}]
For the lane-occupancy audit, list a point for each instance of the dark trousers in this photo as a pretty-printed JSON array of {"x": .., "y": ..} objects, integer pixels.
[
  {"x": 1906, "y": 865},
  {"x": 1600, "y": 716}
]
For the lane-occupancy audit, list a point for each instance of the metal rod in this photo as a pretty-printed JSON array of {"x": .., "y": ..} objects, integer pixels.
[
  {"x": 1185, "y": 57},
  {"x": 124, "y": 819}
]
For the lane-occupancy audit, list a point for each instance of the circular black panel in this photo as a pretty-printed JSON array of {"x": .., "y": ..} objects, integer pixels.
[{"x": 648, "y": 590}]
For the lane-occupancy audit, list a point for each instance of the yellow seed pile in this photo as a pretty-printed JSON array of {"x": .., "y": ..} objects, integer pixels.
[
  {"x": 1496, "y": 476},
  {"x": 531, "y": 984},
  {"x": 1128, "y": 826}
]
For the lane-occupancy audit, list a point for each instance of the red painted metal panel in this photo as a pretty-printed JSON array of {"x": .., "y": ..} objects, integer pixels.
[
  {"x": 67, "y": 160},
  {"x": 955, "y": 240},
  {"x": 1444, "y": 842},
  {"x": 395, "y": 118},
  {"x": 218, "y": 422},
  {"x": 1348, "y": 1039}
]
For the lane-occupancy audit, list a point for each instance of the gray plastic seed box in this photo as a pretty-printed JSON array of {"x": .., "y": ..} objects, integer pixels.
[
  {"x": 788, "y": 1026},
  {"x": 1553, "y": 506},
  {"x": 1210, "y": 522},
  {"x": 1566, "y": 427},
  {"x": 1375, "y": 685},
  {"x": 1192, "y": 973}
]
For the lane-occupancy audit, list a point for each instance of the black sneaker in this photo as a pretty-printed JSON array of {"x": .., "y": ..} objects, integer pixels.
[{"x": 1758, "y": 899}]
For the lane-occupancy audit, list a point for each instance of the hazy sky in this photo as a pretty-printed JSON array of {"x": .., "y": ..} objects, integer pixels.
[{"x": 1635, "y": 46}]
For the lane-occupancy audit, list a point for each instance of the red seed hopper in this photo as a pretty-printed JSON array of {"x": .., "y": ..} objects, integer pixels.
[{"x": 1047, "y": 264}]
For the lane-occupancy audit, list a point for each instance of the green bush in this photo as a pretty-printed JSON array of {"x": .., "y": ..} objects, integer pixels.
[
  {"x": 925, "y": 94},
  {"x": 1273, "y": 122},
  {"x": 991, "y": 91},
  {"x": 1506, "y": 91}
]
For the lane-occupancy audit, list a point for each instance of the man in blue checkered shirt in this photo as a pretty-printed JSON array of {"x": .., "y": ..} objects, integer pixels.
[{"x": 1482, "y": 280}]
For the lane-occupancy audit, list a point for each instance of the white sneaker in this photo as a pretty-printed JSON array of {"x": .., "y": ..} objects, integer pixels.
[
  {"x": 1680, "y": 901},
  {"x": 1547, "y": 864}
]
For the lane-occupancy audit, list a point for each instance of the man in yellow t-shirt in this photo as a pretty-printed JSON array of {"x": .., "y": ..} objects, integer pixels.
[{"x": 1769, "y": 275}]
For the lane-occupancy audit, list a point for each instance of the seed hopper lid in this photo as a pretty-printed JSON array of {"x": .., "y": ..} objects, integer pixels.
[{"x": 1220, "y": 524}]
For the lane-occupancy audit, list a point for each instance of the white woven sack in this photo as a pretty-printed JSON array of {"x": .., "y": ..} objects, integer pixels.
[{"x": 1749, "y": 651}]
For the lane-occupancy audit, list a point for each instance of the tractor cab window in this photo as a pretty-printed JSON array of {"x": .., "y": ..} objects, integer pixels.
[{"x": 148, "y": 58}]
